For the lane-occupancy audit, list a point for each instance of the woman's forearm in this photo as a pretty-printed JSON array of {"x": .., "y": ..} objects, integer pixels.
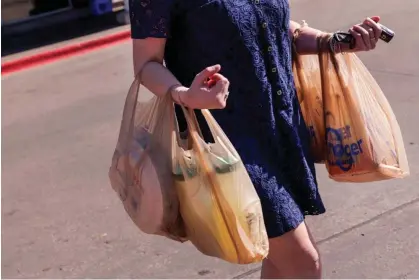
[
  {"x": 306, "y": 42},
  {"x": 148, "y": 55},
  {"x": 159, "y": 80}
]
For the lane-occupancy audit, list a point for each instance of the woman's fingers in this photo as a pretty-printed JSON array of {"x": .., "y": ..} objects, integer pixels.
[
  {"x": 363, "y": 40},
  {"x": 213, "y": 80},
  {"x": 359, "y": 42},
  {"x": 209, "y": 90},
  {"x": 376, "y": 28},
  {"x": 221, "y": 86},
  {"x": 216, "y": 77},
  {"x": 220, "y": 90},
  {"x": 376, "y": 18},
  {"x": 366, "y": 34},
  {"x": 202, "y": 77},
  {"x": 373, "y": 38}
]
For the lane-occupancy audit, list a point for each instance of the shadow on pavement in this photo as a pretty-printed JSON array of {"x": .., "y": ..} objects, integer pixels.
[{"x": 54, "y": 33}]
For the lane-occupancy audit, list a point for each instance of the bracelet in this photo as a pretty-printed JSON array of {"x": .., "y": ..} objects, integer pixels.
[
  {"x": 322, "y": 45},
  {"x": 180, "y": 100},
  {"x": 169, "y": 91},
  {"x": 296, "y": 34}
]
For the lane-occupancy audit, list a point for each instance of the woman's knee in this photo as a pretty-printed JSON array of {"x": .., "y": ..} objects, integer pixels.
[{"x": 295, "y": 254}]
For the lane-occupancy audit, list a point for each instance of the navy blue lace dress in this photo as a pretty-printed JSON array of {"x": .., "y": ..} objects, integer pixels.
[{"x": 250, "y": 40}]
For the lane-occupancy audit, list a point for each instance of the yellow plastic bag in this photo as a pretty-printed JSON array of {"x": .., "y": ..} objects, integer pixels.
[
  {"x": 364, "y": 141},
  {"x": 219, "y": 205},
  {"x": 309, "y": 90},
  {"x": 141, "y": 169}
]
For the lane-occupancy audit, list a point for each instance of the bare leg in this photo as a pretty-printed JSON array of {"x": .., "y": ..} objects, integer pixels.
[{"x": 293, "y": 255}]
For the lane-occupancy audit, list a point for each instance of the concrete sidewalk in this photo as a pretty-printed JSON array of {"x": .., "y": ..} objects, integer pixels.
[{"x": 61, "y": 219}]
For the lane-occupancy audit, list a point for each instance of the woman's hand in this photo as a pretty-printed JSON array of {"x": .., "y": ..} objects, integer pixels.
[
  {"x": 209, "y": 90},
  {"x": 366, "y": 35}
]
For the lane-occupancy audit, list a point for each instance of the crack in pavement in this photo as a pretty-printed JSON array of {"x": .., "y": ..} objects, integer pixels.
[
  {"x": 390, "y": 72},
  {"x": 339, "y": 234}
]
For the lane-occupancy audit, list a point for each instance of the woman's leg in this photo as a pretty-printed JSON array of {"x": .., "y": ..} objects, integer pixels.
[{"x": 293, "y": 255}]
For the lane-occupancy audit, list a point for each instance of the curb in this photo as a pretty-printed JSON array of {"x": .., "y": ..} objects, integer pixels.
[{"x": 63, "y": 52}]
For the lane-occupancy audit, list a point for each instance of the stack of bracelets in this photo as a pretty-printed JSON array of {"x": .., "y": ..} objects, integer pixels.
[{"x": 333, "y": 39}]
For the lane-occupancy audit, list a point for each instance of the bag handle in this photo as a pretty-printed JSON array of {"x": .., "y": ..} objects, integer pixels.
[
  {"x": 128, "y": 113},
  {"x": 191, "y": 121},
  {"x": 211, "y": 177}
]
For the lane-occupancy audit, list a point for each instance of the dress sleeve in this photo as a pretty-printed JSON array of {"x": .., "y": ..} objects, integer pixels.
[{"x": 150, "y": 18}]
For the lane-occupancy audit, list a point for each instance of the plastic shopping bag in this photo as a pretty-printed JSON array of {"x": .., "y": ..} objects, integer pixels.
[
  {"x": 141, "y": 169},
  {"x": 309, "y": 90},
  {"x": 219, "y": 205},
  {"x": 364, "y": 142}
]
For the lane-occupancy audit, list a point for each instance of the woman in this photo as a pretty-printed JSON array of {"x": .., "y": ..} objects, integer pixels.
[{"x": 244, "y": 47}]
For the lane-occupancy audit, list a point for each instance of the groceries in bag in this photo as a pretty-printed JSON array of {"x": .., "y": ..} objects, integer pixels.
[
  {"x": 364, "y": 141},
  {"x": 141, "y": 169},
  {"x": 219, "y": 205}
]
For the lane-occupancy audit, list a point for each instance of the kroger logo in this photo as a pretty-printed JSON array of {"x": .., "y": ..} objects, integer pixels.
[{"x": 342, "y": 154}]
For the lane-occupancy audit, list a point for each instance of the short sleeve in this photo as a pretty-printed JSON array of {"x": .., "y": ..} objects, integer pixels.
[{"x": 150, "y": 18}]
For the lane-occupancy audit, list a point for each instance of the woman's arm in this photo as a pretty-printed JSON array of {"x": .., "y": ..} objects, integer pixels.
[
  {"x": 307, "y": 39},
  {"x": 366, "y": 36},
  {"x": 150, "y": 28},
  {"x": 148, "y": 57},
  {"x": 148, "y": 62}
]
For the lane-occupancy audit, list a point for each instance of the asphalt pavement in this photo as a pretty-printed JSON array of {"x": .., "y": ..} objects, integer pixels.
[{"x": 61, "y": 219}]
